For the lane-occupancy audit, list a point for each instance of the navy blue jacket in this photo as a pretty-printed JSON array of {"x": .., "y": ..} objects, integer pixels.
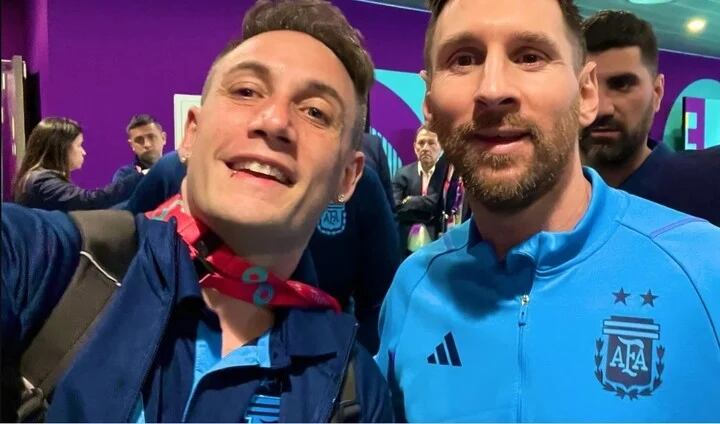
[
  {"x": 687, "y": 181},
  {"x": 161, "y": 182},
  {"x": 48, "y": 189},
  {"x": 130, "y": 169},
  {"x": 376, "y": 159},
  {"x": 357, "y": 255},
  {"x": 356, "y": 252},
  {"x": 144, "y": 343}
]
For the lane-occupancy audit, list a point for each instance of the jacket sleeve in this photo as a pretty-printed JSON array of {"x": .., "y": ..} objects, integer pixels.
[
  {"x": 384, "y": 174},
  {"x": 51, "y": 192},
  {"x": 372, "y": 390},
  {"x": 379, "y": 247},
  {"x": 39, "y": 256},
  {"x": 399, "y": 187},
  {"x": 161, "y": 182},
  {"x": 123, "y": 172}
]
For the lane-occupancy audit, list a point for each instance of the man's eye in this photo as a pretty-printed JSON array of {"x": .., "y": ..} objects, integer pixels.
[
  {"x": 245, "y": 92},
  {"x": 317, "y": 114},
  {"x": 531, "y": 59},
  {"x": 463, "y": 60}
]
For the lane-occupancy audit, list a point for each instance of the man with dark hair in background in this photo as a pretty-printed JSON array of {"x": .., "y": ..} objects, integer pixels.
[
  {"x": 217, "y": 319},
  {"x": 146, "y": 139},
  {"x": 618, "y": 144},
  {"x": 562, "y": 299}
]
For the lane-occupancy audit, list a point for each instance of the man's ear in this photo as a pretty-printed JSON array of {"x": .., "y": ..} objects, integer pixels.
[
  {"x": 426, "y": 107},
  {"x": 191, "y": 127},
  {"x": 163, "y": 135},
  {"x": 658, "y": 91},
  {"x": 589, "y": 100},
  {"x": 351, "y": 175}
]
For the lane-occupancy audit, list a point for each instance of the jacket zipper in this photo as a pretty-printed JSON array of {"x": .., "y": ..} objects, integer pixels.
[{"x": 522, "y": 321}]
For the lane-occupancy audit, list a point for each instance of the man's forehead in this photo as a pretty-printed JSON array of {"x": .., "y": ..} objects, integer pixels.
[
  {"x": 426, "y": 137},
  {"x": 491, "y": 18},
  {"x": 275, "y": 48},
  {"x": 617, "y": 61},
  {"x": 143, "y": 129}
]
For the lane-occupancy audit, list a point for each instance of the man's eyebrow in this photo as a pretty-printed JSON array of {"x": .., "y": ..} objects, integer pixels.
[
  {"x": 519, "y": 37},
  {"x": 536, "y": 38},
  {"x": 262, "y": 71},
  {"x": 464, "y": 37}
]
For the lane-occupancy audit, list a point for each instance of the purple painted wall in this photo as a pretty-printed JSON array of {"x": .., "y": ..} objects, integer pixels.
[
  {"x": 13, "y": 28},
  {"x": 101, "y": 62},
  {"x": 680, "y": 70}
]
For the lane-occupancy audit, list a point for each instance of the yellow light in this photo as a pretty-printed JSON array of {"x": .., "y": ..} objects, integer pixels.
[{"x": 696, "y": 25}]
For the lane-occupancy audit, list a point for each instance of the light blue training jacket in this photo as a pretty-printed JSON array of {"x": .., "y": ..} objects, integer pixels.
[{"x": 616, "y": 320}]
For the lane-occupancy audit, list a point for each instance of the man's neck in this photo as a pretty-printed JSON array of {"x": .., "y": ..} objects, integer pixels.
[
  {"x": 616, "y": 174},
  {"x": 240, "y": 322},
  {"x": 426, "y": 168},
  {"x": 558, "y": 210}
]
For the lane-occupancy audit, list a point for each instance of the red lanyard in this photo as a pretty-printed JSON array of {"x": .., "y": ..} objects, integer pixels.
[{"x": 232, "y": 275}]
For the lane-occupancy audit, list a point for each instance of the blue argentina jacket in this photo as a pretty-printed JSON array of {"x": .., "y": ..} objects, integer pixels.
[
  {"x": 616, "y": 320},
  {"x": 143, "y": 349}
]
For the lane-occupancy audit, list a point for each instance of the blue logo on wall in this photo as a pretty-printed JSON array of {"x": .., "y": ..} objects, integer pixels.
[{"x": 332, "y": 221}]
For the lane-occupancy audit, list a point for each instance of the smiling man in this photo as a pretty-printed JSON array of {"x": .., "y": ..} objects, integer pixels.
[
  {"x": 275, "y": 140},
  {"x": 562, "y": 298}
]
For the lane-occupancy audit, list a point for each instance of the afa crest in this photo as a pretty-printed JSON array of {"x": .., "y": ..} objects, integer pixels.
[
  {"x": 332, "y": 221},
  {"x": 627, "y": 360}
]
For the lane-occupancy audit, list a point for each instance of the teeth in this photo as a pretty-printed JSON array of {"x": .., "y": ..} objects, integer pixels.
[{"x": 261, "y": 168}]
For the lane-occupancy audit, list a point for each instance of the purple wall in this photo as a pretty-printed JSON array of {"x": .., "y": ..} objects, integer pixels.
[
  {"x": 680, "y": 71},
  {"x": 13, "y": 28},
  {"x": 102, "y": 62}
]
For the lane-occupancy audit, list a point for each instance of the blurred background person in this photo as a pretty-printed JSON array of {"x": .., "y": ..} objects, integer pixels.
[
  {"x": 417, "y": 189},
  {"x": 146, "y": 139},
  {"x": 54, "y": 149},
  {"x": 618, "y": 144},
  {"x": 376, "y": 159}
]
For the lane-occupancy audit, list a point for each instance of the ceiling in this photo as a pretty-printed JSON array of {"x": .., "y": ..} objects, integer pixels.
[{"x": 668, "y": 20}]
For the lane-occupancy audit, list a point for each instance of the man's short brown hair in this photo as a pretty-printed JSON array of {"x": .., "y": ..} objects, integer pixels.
[
  {"x": 571, "y": 15},
  {"x": 325, "y": 23}
]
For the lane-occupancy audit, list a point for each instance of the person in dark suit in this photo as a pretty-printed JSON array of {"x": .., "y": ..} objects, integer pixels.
[
  {"x": 376, "y": 159},
  {"x": 417, "y": 189}
]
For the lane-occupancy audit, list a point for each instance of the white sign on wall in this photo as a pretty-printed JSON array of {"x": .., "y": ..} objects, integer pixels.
[{"x": 181, "y": 105}]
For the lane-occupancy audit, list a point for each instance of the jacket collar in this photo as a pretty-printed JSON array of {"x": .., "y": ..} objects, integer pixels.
[{"x": 555, "y": 251}]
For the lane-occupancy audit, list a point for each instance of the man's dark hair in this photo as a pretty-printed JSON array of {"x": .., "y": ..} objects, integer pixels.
[
  {"x": 570, "y": 12},
  {"x": 142, "y": 120},
  {"x": 609, "y": 29},
  {"x": 325, "y": 23}
]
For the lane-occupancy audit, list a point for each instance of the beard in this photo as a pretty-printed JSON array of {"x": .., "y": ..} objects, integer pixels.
[
  {"x": 479, "y": 168},
  {"x": 149, "y": 158},
  {"x": 603, "y": 151}
]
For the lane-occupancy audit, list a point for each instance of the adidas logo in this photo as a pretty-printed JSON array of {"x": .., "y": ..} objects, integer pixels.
[{"x": 445, "y": 353}]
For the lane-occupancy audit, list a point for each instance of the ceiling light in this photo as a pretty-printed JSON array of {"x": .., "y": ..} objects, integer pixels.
[
  {"x": 649, "y": 1},
  {"x": 696, "y": 25}
]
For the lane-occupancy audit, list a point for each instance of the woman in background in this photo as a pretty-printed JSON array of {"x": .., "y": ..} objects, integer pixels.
[{"x": 54, "y": 149}]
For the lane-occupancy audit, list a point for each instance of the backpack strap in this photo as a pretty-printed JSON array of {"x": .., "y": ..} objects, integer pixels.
[
  {"x": 109, "y": 243},
  {"x": 348, "y": 409}
]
